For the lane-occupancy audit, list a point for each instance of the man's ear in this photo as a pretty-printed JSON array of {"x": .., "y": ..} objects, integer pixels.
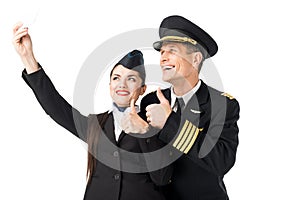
[{"x": 197, "y": 58}]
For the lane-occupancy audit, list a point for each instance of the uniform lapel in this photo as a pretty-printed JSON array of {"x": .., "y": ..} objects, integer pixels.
[
  {"x": 167, "y": 94},
  {"x": 202, "y": 95},
  {"x": 197, "y": 106},
  {"x": 109, "y": 128},
  {"x": 122, "y": 135}
]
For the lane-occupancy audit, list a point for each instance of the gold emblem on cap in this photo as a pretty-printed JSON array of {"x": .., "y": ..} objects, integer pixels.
[
  {"x": 227, "y": 95},
  {"x": 179, "y": 39}
]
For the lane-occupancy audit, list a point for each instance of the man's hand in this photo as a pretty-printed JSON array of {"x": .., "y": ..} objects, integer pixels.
[
  {"x": 133, "y": 123},
  {"x": 23, "y": 45},
  {"x": 157, "y": 114}
]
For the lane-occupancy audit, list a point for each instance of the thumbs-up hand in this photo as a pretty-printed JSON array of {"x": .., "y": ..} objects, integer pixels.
[
  {"x": 133, "y": 123},
  {"x": 157, "y": 114}
]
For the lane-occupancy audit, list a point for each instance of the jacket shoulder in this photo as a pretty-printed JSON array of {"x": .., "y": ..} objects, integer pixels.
[{"x": 232, "y": 103}]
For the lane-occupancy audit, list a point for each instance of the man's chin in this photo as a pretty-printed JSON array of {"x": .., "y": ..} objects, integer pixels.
[{"x": 167, "y": 78}]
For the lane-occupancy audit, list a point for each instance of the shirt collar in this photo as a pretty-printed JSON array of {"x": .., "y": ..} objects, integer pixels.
[
  {"x": 114, "y": 109},
  {"x": 186, "y": 97}
]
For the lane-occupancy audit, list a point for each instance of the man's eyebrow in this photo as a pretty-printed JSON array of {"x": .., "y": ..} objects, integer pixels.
[{"x": 169, "y": 46}]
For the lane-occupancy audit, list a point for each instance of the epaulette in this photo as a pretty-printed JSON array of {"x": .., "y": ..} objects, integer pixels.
[{"x": 227, "y": 95}]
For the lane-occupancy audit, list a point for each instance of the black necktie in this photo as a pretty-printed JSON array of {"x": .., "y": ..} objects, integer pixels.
[{"x": 180, "y": 105}]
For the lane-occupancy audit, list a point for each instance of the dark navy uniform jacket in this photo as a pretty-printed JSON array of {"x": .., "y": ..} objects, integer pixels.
[
  {"x": 108, "y": 181},
  {"x": 204, "y": 138}
]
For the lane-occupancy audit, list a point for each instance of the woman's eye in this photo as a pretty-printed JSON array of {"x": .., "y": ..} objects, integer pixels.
[
  {"x": 132, "y": 79},
  {"x": 115, "y": 78}
]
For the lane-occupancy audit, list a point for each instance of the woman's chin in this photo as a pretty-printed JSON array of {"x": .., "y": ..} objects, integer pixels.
[{"x": 122, "y": 103}]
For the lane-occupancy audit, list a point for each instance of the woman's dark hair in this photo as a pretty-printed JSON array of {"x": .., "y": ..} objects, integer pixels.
[{"x": 93, "y": 132}]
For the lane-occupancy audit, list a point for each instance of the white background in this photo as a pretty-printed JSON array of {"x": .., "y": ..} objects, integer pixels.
[{"x": 258, "y": 60}]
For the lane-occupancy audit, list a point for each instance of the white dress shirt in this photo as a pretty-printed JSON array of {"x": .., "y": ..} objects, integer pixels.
[
  {"x": 118, "y": 116},
  {"x": 186, "y": 97}
]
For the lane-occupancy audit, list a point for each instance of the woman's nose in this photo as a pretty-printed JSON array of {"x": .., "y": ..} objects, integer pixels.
[{"x": 122, "y": 83}]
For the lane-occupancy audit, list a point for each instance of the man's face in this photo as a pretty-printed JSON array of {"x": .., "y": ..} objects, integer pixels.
[{"x": 176, "y": 63}]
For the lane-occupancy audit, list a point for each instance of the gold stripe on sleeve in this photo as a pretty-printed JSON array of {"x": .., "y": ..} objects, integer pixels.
[
  {"x": 188, "y": 139},
  {"x": 193, "y": 140},
  {"x": 186, "y": 133},
  {"x": 181, "y": 133}
]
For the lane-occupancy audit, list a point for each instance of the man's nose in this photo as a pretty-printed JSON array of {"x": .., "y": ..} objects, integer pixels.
[{"x": 164, "y": 56}]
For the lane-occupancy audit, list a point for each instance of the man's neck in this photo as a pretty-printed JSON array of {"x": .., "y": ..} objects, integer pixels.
[{"x": 181, "y": 88}]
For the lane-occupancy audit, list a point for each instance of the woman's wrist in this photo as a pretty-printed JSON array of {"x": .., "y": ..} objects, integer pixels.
[{"x": 30, "y": 63}]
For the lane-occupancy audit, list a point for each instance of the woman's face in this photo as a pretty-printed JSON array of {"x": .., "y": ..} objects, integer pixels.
[{"x": 125, "y": 84}]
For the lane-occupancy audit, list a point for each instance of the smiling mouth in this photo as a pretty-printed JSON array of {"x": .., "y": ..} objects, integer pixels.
[
  {"x": 122, "y": 92},
  {"x": 168, "y": 67}
]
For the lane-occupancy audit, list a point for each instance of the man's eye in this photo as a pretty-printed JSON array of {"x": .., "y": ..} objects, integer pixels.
[{"x": 173, "y": 50}]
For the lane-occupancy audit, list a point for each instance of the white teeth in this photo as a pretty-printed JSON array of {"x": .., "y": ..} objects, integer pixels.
[
  {"x": 168, "y": 67},
  {"x": 123, "y": 93}
]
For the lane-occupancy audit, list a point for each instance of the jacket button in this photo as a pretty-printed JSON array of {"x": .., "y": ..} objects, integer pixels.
[
  {"x": 116, "y": 154},
  {"x": 148, "y": 140},
  {"x": 117, "y": 176}
]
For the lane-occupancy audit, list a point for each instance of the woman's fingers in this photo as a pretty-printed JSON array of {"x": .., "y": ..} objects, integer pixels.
[
  {"x": 20, "y": 33},
  {"x": 17, "y": 26}
]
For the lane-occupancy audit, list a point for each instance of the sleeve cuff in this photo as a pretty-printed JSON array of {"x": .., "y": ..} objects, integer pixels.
[
  {"x": 33, "y": 78},
  {"x": 170, "y": 129}
]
